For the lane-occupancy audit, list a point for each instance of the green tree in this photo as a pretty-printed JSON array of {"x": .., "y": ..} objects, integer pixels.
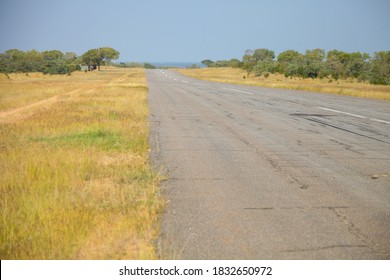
[
  {"x": 108, "y": 54},
  {"x": 357, "y": 65},
  {"x": 336, "y": 63},
  {"x": 15, "y": 60},
  {"x": 221, "y": 63},
  {"x": 294, "y": 69},
  {"x": 52, "y": 55},
  {"x": 288, "y": 56},
  {"x": 263, "y": 55},
  {"x": 341, "y": 64},
  {"x": 34, "y": 61},
  {"x": 247, "y": 61},
  {"x": 261, "y": 58},
  {"x": 286, "y": 59},
  {"x": 264, "y": 61},
  {"x": 207, "y": 62},
  {"x": 70, "y": 56},
  {"x": 54, "y": 62},
  {"x": 92, "y": 58},
  {"x": 313, "y": 64},
  {"x": 235, "y": 63},
  {"x": 379, "y": 72},
  {"x": 50, "y": 62},
  {"x": 95, "y": 57},
  {"x": 264, "y": 67},
  {"x": 149, "y": 66},
  {"x": 193, "y": 66},
  {"x": 4, "y": 61}
]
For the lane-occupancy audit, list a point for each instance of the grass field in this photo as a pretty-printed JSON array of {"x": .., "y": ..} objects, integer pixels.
[
  {"x": 76, "y": 181},
  {"x": 344, "y": 87}
]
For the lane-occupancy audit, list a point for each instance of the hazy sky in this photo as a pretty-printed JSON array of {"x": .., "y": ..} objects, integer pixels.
[{"x": 193, "y": 30}]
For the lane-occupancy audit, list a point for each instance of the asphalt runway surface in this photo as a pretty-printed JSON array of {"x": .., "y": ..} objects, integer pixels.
[{"x": 259, "y": 173}]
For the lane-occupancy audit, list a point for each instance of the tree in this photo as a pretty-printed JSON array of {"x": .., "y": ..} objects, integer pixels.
[
  {"x": 70, "y": 56},
  {"x": 264, "y": 67},
  {"x": 336, "y": 63},
  {"x": 286, "y": 58},
  {"x": 54, "y": 62},
  {"x": 107, "y": 54},
  {"x": 357, "y": 65},
  {"x": 149, "y": 66},
  {"x": 221, "y": 63},
  {"x": 207, "y": 62},
  {"x": 235, "y": 63},
  {"x": 94, "y": 57},
  {"x": 294, "y": 69},
  {"x": 34, "y": 61},
  {"x": 261, "y": 58},
  {"x": 193, "y": 66},
  {"x": 263, "y": 55},
  {"x": 15, "y": 60},
  {"x": 264, "y": 61},
  {"x": 48, "y": 62},
  {"x": 247, "y": 61},
  {"x": 313, "y": 63},
  {"x": 52, "y": 55},
  {"x": 380, "y": 68}
]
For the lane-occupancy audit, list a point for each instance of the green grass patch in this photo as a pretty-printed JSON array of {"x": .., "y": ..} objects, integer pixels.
[{"x": 103, "y": 139}]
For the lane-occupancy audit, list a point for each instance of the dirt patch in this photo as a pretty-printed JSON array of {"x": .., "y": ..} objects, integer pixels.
[{"x": 24, "y": 112}]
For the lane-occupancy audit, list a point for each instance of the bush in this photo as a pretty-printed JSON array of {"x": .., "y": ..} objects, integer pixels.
[
  {"x": 379, "y": 73},
  {"x": 193, "y": 66},
  {"x": 47, "y": 62},
  {"x": 56, "y": 68},
  {"x": 149, "y": 66}
]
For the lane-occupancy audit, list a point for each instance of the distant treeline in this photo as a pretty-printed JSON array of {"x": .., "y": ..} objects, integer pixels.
[
  {"x": 313, "y": 64},
  {"x": 135, "y": 65},
  {"x": 157, "y": 65},
  {"x": 54, "y": 61}
]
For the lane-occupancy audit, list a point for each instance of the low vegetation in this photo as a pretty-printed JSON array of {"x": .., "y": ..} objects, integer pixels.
[
  {"x": 54, "y": 61},
  {"x": 76, "y": 182},
  {"x": 57, "y": 62},
  {"x": 145, "y": 65},
  {"x": 351, "y": 87},
  {"x": 313, "y": 64}
]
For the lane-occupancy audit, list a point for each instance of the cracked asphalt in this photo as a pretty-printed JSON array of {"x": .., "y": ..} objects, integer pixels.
[{"x": 258, "y": 173}]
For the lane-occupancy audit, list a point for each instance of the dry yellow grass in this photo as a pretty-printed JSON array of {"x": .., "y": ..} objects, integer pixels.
[
  {"x": 76, "y": 182},
  {"x": 344, "y": 87}
]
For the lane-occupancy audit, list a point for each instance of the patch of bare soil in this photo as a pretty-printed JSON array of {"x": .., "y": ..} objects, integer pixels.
[{"x": 25, "y": 112}]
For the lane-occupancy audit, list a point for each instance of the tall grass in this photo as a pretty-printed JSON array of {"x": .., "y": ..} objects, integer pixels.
[
  {"x": 343, "y": 87},
  {"x": 75, "y": 180}
]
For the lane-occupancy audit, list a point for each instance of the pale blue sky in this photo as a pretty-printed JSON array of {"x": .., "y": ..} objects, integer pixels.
[{"x": 193, "y": 30}]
